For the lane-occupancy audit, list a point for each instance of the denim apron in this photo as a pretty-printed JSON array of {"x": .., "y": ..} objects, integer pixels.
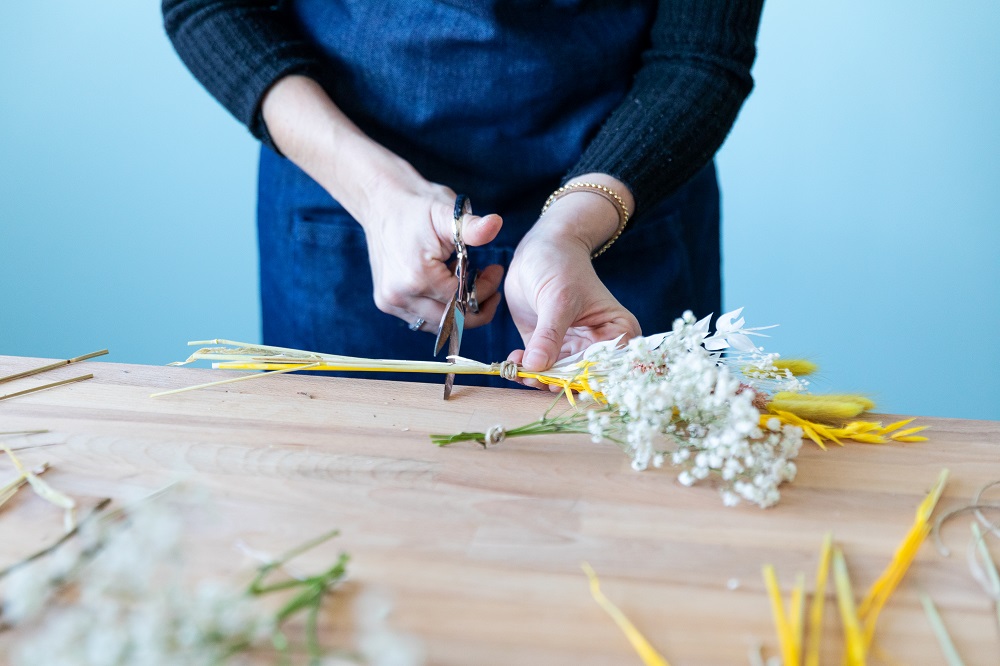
[{"x": 496, "y": 99}]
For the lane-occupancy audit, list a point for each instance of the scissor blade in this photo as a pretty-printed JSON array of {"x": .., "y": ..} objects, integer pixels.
[
  {"x": 446, "y": 325},
  {"x": 454, "y": 344},
  {"x": 458, "y": 327}
]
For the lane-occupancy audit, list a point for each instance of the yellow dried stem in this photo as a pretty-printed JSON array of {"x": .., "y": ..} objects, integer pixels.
[
  {"x": 886, "y": 584},
  {"x": 795, "y": 608},
  {"x": 234, "y": 379},
  {"x": 818, "y": 602},
  {"x": 10, "y": 489},
  {"x": 786, "y": 640},
  {"x": 247, "y": 356},
  {"x": 854, "y": 645},
  {"x": 646, "y": 652}
]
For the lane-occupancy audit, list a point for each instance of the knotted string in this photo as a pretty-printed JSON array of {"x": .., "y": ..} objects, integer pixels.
[
  {"x": 495, "y": 435},
  {"x": 507, "y": 369}
]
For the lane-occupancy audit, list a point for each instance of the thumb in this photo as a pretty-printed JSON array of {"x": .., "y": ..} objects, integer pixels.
[
  {"x": 546, "y": 340},
  {"x": 480, "y": 230}
]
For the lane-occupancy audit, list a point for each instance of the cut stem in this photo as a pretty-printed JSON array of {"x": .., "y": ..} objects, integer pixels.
[
  {"x": 818, "y": 601},
  {"x": 646, "y": 652},
  {"x": 46, "y": 386},
  {"x": 941, "y": 632},
  {"x": 235, "y": 379},
  {"x": 854, "y": 641},
  {"x": 786, "y": 639},
  {"x": 9, "y": 490},
  {"x": 51, "y": 366}
]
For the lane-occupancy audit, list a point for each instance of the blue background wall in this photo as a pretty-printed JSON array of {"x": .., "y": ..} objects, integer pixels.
[{"x": 860, "y": 191}]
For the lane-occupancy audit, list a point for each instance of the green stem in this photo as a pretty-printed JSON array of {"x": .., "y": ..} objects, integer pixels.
[
  {"x": 312, "y": 632},
  {"x": 573, "y": 421}
]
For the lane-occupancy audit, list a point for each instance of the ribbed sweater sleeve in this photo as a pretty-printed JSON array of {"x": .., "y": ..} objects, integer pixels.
[
  {"x": 694, "y": 77},
  {"x": 238, "y": 49}
]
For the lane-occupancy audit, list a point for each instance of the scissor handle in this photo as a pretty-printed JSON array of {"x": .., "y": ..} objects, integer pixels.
[{"x": 463, "y": 207}]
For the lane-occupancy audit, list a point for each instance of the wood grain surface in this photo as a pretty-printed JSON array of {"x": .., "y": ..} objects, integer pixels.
[{"x": 480, "y": 550}]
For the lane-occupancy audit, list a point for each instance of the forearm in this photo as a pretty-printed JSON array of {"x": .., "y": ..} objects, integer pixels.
[
  {"x": 311, "y": 131},
  {"x": 684, "y": 100}
]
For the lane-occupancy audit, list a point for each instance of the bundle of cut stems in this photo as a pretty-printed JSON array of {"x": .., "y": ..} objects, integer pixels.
[{"x": 234, "y": 355}]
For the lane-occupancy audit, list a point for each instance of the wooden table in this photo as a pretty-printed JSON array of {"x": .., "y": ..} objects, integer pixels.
[{"x": 480, "y": 550}]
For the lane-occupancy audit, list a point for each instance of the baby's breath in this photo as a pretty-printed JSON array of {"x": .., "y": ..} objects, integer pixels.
[
  {"x": 670, "y": 398},
  {"x": 688, "y": 398}
]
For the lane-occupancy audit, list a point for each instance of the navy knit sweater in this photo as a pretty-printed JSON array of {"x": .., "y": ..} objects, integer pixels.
[{"x": 693, "y": 78}]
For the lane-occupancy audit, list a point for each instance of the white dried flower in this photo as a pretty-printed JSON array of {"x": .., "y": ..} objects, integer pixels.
[{"x": 669, "y": 395}]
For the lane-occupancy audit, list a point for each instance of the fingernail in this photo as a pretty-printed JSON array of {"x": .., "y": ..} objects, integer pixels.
[{"x": 535, "y": 360}]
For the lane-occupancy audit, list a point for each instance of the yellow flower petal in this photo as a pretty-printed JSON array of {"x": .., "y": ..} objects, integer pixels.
[
  {"x": 907, "y": 432},
  {"x": 886, "y": 584},
  {"x": 898, "y": 424}
]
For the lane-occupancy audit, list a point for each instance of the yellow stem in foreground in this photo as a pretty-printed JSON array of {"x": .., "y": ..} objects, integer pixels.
[{"x": 646, "y": 652}]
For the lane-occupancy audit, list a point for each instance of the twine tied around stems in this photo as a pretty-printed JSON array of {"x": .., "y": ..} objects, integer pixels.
[
  {"x": 508, "y": 370},
  {"x": 495, "y": 435}
]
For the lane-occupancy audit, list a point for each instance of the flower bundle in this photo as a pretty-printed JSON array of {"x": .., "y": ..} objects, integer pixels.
[
  {"x": 712, "y": 404},
  {"x": 676, "y": 396}
]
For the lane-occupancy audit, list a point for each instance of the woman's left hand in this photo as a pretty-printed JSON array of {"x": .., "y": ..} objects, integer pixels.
[{"x": 557, "y": 301}]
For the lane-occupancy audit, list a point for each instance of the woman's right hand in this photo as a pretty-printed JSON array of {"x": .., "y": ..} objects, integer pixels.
[
  {"x": 407, "y": 220},
  {"x": 409, "y": 226}
]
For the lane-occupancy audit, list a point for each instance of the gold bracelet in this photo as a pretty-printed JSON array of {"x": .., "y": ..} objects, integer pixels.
[{"x": 603, "y": 191}]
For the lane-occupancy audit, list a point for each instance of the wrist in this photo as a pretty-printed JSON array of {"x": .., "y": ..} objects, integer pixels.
[{"x": 592, "y": 209}]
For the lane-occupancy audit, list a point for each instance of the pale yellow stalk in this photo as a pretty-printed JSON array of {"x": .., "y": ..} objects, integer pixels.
[
  {"x": 234, "y": 379},
  {"x": 786, "y": 639},
  {"x": 45, "y": 491},
  {"x": 9, "y": 490},
  {"x": 646, "y": 652},
  {"x": 854, "y": 643},
  {"x": 941, "y": 632},
  {"x": 795, "y": 608},
  {"x": 989, "y": 566},
  {"x": 818, "y": 602},
  {"x": 572, "y": 376}
]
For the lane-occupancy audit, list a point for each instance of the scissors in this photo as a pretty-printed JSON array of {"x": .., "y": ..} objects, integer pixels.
[{"x": 464, "y": 300}]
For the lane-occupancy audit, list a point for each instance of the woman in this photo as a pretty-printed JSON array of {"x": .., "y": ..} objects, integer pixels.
[{"x": 375, "y": 113}]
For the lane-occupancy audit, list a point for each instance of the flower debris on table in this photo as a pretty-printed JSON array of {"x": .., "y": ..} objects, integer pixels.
[
  {"x": 41, "y": 488},
  {"x": 121, "y": 594},
  {"x": 858, "y": 620}
]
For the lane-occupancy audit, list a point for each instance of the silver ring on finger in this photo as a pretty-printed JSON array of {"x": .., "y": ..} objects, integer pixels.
[{"x": 416, "y": 325}]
